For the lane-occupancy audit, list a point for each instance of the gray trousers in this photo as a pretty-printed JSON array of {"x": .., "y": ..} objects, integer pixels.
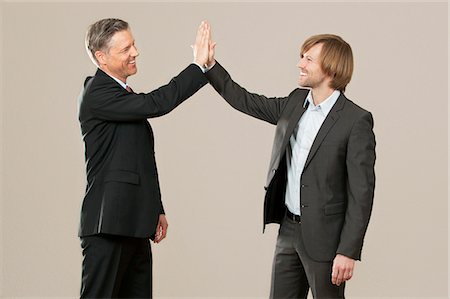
[{"x": 294, "y": 272}]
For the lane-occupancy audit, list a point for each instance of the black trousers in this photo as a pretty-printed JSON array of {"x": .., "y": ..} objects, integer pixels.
[
  {"x": 116, "y": 267},
  {"x": 294, "y": 272}
]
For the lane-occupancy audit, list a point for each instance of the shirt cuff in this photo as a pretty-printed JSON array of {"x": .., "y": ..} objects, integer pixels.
[{"x": 203, "y": 68}]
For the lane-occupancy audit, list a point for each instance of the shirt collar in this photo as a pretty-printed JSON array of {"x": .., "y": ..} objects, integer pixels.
[
  {"x": 326, "y": 105},
  {"x": 124, "y": 85}
]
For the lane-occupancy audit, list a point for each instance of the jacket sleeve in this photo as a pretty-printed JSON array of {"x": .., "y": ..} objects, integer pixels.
[
  {"x": 360, "y": 164},
  {"x": 113, "y": 103},
  {"x": 258, "y": 106}
]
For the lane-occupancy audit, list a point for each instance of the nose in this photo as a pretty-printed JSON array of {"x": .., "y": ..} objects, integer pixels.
[
  {"x": 135, "y": 52},
  {"x": 301, "y": 63}
]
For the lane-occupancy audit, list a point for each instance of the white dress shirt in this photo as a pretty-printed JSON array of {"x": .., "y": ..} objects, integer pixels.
[
  {"x": 124, "y": 85},
  {"x": 300, "y": 144}
]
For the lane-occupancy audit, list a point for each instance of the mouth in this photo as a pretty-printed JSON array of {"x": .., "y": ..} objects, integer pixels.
[
  {"x": 302, "y": 74},
  {"x": 132, "y": 62}
]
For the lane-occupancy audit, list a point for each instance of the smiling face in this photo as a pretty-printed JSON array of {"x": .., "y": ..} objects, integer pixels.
[
  {"x": 119, "y": 60},
  {"x": 311, "y": 73}
]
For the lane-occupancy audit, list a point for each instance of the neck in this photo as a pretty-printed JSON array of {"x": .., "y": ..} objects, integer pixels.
[
  {"x": 124, "y": 80},
  {"x": 321, "y": 94}
]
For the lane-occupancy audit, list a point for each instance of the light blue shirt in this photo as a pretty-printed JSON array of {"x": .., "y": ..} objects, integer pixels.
[{"x": 300, "y": 144}]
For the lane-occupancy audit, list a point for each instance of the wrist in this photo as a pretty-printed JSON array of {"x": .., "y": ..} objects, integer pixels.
[{"x": 210, "y": 64}]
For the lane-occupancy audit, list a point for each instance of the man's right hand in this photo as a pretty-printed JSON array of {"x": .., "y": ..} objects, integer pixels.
[{"x": 201, "y": 46}]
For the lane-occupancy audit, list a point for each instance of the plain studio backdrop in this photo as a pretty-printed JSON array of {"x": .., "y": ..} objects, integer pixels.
[{"x": 212, "y": 159}]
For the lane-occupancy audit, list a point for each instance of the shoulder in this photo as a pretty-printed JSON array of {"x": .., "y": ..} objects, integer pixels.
[
  {"x": 356, "y": 117},
  {"x": 100, "y": 84},
  {"x": 299, "y": 92},
  {"x": 354, "y": 109},
  {"x": 98, "y": 90}
]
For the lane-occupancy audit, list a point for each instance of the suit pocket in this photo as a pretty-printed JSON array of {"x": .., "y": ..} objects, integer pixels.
[
  {"x": 335, "y": 208},
  {"x": 122, "y": 176}
]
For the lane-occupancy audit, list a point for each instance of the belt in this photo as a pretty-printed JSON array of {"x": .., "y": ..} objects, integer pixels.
[{"x": 293, "y": 217}]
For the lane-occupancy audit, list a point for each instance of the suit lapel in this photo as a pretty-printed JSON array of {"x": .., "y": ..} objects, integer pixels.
[
  {"x": 293, "y": 122},
  {"x": 285, "y": 127},
  {"x": 328, "y": 123}
]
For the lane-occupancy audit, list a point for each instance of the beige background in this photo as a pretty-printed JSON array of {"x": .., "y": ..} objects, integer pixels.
[{"x": 212, "y": 159}]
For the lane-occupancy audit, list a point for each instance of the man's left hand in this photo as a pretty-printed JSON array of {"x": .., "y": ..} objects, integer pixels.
[
  {"x": 342, "y": 269},
  {"x": 161, "y": 229}
]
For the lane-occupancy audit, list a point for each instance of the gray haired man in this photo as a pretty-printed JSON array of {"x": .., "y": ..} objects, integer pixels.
[{"x": 122, "y": 206}]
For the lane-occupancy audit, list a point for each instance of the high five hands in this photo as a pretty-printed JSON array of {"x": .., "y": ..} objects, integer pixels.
[{"x": 204, "y": 47}]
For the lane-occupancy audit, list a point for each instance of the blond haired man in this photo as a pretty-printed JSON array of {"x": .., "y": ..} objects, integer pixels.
[{"x": 321, "y": 179}]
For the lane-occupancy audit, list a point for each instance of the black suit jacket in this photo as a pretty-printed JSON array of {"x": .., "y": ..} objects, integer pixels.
[
  {"x": 338, "y": 179},
  {"x": 122, "y": 193}
]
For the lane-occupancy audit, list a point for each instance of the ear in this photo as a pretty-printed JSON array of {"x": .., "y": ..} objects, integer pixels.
[{"x": 101, "y": 57}]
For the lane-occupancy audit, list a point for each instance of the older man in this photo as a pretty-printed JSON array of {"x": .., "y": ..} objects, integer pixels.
[{"x": 122, "y": 206}]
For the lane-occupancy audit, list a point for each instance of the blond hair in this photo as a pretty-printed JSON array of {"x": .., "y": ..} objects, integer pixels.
[{"x": 336, "y": 58}]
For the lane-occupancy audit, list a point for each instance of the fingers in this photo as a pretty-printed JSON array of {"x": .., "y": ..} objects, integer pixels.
[
  {"x": 211, "y": 59},
  {"x": 160, "y": 234},
  {"x": 161, "y": 229},
  {"x": 157, "y": 234},
  {"x": 342, "y": 269},
  {"x": 205, "y": 36},
  {"x": 201, "y": 46},
  {"x": 212, "y": 48},
  {"x": 348, "y": 275},
  {"x": 200, "y": 32},
  {"x": 163, "y": 233},
  {"x": 199, "y": 38},
  {"x": 337, "y": 277},
  {"x": 205, "y": 33}
]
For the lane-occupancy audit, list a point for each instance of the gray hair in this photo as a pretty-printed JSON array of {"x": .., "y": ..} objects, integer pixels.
[{"x": 99, "y": 35}]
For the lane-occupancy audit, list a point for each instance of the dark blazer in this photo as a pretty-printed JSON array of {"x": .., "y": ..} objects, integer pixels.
[
  {"x": 338, "y": 180},
  {"x": 122, "y": 193}
]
